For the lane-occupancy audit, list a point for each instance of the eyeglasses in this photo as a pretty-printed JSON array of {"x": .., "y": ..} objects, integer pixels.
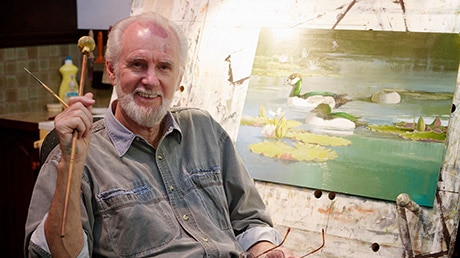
[{"x": 279, "y": 253}]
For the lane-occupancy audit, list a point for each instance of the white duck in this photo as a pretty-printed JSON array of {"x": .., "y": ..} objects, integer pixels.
[
  {"x": 312, "y": 98},
  {"x": 322, "y": 118}
]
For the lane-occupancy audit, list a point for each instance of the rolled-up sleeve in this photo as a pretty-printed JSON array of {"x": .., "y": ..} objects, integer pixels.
[
  {"x": 39, "y": 247},
  {"x": 257, "y": 234}
]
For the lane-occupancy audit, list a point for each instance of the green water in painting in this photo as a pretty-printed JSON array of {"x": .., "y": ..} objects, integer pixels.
[
  {"x": 375, "y": 165},
  {"x": 379, "y": 168}
]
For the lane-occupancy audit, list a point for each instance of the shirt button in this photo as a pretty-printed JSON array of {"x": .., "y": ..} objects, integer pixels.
[
  {"x": 160, "y": 157},
  {"x": 171, "y": 188},
  {"x": 185, "y": 217},
  {"x": 205, "y": 239}
]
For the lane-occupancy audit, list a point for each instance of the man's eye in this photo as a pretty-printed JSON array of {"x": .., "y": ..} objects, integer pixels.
[
  {"x": 138, "y": 64},
  {"x": 164, "y": 66}
]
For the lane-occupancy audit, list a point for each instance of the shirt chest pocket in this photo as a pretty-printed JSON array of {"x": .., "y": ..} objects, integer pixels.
[
  {"x": 206, "y": 188},
  {"x": 135, "y": 220}
]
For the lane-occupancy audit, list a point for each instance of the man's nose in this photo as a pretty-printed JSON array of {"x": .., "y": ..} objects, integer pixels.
[{"x": 151, "y": 77}]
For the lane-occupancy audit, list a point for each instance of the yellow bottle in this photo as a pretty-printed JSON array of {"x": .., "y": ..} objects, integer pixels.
[
  {"x": 69, "y": 84},
  {"x": 73, "y": 88}
]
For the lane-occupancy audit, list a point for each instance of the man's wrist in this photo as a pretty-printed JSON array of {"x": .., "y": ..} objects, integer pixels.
[{"x": 260, "y": 247}]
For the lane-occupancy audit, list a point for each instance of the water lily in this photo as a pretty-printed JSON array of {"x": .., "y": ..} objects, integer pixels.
[
  {"x": 268, "y": 131},
  {"x": 281, "y": 127},
  {"x": 276, "y": 127}
]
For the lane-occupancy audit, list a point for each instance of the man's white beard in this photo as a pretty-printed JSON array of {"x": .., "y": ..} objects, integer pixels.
[{"x": 145, "y": 116}]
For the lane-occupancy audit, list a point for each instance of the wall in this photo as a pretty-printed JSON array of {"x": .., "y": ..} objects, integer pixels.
[
  {"x": 222, "y": 39},
  {"x": 19, "y": 92}
]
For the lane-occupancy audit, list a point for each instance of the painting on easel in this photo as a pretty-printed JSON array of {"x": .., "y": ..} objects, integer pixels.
[{"x": 363, "y": 113}]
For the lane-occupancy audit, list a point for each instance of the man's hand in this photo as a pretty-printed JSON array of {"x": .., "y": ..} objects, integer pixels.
[
  {"x": 263, "y": 246},
  {"x": 76, "y": 117}
]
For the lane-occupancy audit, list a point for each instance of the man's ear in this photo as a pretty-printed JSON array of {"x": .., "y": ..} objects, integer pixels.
[{"x": 110, "y": 72}]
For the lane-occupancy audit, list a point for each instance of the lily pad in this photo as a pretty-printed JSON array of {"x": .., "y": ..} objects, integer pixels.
[
  {"x": 389, "y": 129},
  {"x": 300, "y": 152},
  {"x": 425, "y": 136},
  {"x": 262, "y": 121},
  {"x": 434, "y": 132},
  {"x": 254, "y": 121},
  {"x": 324, "y": 140}
]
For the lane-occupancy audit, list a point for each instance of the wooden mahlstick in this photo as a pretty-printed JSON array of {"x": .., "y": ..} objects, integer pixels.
[{"x": 86, "y": 45}]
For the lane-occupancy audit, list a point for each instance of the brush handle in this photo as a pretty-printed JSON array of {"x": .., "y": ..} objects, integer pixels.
[{"x": 86, "y": 45}]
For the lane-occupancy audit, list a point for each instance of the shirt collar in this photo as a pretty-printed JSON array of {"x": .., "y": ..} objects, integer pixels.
[{"x": 122, "y": 137}]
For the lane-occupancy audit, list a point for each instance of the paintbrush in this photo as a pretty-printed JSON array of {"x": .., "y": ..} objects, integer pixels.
[{"x": 47, "y": 88}]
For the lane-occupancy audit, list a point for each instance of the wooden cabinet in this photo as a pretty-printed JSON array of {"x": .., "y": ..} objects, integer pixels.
[
  {"x": 30, "y": 22},
  {"x": 19, "y": 160}
]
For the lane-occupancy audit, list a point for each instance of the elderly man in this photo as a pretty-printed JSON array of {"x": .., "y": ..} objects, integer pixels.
[{"x": 148, "y": 181}]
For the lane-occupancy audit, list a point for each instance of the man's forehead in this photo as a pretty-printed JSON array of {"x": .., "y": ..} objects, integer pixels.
[
  {"x": 139, "y": 34},
  {"x": 149, "y": 28},
  {"x": 159, "y": 31}
]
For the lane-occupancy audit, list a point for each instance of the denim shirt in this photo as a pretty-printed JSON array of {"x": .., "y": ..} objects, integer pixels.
[{"x": 190, "y": 197}]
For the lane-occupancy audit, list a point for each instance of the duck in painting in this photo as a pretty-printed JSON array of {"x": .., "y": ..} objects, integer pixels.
[
  {"x": 312, "y": 98},
  {"x": 322, "y": 117}
]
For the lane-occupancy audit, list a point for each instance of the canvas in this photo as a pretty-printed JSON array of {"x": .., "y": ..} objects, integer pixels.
[{"x": 357, "y": 112}]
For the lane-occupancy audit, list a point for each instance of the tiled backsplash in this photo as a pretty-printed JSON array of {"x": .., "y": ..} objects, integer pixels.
[{"x": 19, "y": 92}]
